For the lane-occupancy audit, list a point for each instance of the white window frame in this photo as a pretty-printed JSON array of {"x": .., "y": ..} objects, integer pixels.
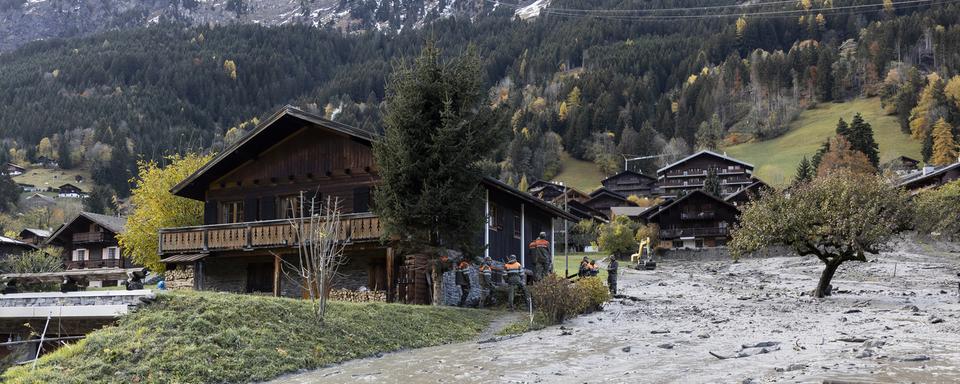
[
  {"x": 116, "y": 254},
  {"x": 85, "y": 257}
]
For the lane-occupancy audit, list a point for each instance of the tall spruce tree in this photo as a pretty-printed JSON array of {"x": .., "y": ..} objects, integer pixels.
[
  {"x": 711, "y": 184},
  {"x": 438, "y": 129},
  {"x": 860, "y": 135},
  {"x": 805, "y": 172}
]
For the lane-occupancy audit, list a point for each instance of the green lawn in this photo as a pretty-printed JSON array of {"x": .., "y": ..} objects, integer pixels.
[
  {"x": 579, "y": 174},
  {"x": 776, "y": 160},
  {"x": 575, "y": 258},
  {"x": 207, "y": 337},
  {"x": 53, "y": 178}
]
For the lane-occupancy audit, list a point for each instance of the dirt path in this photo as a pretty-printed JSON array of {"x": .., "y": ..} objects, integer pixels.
[{"x": 896, "y": 319}]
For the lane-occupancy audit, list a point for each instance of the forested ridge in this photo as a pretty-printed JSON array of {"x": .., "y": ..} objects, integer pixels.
[{"x": 591, "y": 85}]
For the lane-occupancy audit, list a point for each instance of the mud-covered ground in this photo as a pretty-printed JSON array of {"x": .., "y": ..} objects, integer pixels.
[{"x": 894, "y": 319}]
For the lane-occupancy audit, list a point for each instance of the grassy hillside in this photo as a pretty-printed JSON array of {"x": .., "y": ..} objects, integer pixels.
[
  {"x": 53, "y": 178},
  {"x": 579, "y": 174},
  {"x": 776, "y": 160},
  {"x": 204, "y": 337}
]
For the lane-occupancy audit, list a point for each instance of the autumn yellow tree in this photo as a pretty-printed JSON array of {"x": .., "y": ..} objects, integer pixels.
[
  {"x": 923, "y": 115},
  {"x": 944, "y": 145},
  {"x": 231, "y": 68},
  {"x": 45, "y": 148},
  {"x": 842, "y": 157},
  {"x": 155, "y": 207}
]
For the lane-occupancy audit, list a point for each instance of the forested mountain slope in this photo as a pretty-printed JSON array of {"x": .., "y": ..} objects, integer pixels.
[{"x": 588, "y": 83}]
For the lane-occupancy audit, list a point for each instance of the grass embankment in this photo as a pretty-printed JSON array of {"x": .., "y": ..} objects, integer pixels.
[
  {"x": 53, "y": 178},
  {"x": 776, "y": 159},
  {"x": 581, "y": 175},
  {"x": 201, "y": 337}
]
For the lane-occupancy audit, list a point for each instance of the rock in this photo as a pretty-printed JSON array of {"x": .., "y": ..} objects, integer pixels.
[
  {"x": 796, "y": 367},
  {"x": 853, "y": 311},
  {"x": 665, "y": 346},
  {"x": 911, "y": 308},
  {"x": 686, "y": 332},
  {"x": 625, "y": 349},
  {"x": 916, "y": 358},
  {"x": 874, "y": 343},
  {"x": 659, "y": 331},
  {"x": 565, "y": 333},
  {"x": 852, "y": 339},
  {"x": 865, "y": 354},
  {"x": 703, "y": 336},
  {"x": 935, "y": 320},
  {"x": 662, "y": 284},
  {"x": 761, "y": 344}
]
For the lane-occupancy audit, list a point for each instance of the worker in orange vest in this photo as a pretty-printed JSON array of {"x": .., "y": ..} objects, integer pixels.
[
  {"x": 486, "y": 280},
  {"x": 463, "y": 280},
  {"x": 542, "y": 260},
  {"x": 515, "y": 272}
]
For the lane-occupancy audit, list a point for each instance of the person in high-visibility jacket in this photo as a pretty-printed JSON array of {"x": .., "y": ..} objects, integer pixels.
[
  {"x": 463, "y": 280},
  {"x": 542, "y": 259},
  {"x": 486, "y": 280},
  {"x": 612, "y": 269},
  {"x": 515, "y": 273},
  {"x": 584, "y": 268}
]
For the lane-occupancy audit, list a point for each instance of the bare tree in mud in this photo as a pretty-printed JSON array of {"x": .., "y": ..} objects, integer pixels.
[{"x": 837, "y": 217}]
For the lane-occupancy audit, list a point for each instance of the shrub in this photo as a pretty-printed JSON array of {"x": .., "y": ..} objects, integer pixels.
[
  {"x": 594, "y": 293},
  {"x": 618, "y": 236},
  {"x": 557, "y": 299}
]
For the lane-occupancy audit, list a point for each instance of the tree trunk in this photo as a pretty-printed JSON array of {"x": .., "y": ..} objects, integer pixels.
[{"x": 823, "y": 287}]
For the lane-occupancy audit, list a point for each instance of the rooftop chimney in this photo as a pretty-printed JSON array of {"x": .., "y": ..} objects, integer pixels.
[{"x": 927, "y": 169}]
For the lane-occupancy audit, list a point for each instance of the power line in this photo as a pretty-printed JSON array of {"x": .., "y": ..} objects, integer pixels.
[{"x": 853, "y": 9}]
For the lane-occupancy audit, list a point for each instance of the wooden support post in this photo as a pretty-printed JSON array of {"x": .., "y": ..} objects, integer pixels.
[
  {"x": 390, "y": 282},
  {"x": 276, "y": 275}
]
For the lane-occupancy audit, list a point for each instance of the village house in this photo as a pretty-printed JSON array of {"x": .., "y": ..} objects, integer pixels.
[
  {"x": 747, "y": 193},
  {"x": 695, "y": 220},
  {"x": 11, "y": 247},
  {"x": 28, "y": 187},
  {"x": 929, "y": 177},
  {"x": 689, "y": 173},
  {"x": 34, "y": 236},
  {"x": 251, "y": 194},
  {"x": 12, "y": 169},
  {"x": 603, "y": 199},
  {"x": 70, "y": 191},
  {"x": 89, "y": 241},
  {"x": 630, "y": 183}
]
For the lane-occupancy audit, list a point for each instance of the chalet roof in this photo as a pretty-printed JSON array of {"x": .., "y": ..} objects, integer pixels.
[
  {"x": 756, "y": 184},
  {"x": 669, "y": 204},
  {"x": 704, "y": 152},
  {"x": 908, "y": 159},
  {"x": 628, "y": 211},
  {"x": 9, "y": 241},
  {"x": 920, "y": 176},
  {"x": 490, "y": 182},
  {"x": 68, "y": 185},
  {"x": 604, "y": 191},
  {"x": 628, "y": 172},
  {"x": 26, "y": 185},
  {"x": 35, "y": 232},
  {"x": 574, "y": 205},
  {"x": 282, "y": 123},
  {"x": 12, "y": 165},
  {"x": 113, "y": 224},
  {"x": 41, "y": 197}
]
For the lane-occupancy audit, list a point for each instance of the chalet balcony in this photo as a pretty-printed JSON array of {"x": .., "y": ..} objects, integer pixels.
[
  {"x": 703, "y": 172},
  {"x": 87, "y": 237},
  {"x": 697, "y": 215},
  {"x": 88, "y": 264},
  {"x": 673, "y": 233},
  {"x": 361, "y": 227}
]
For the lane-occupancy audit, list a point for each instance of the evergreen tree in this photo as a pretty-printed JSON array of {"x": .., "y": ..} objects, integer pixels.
[
  {"x": 818, "y": 156},
  {"x": 9, "y": 193},
  {"x": 100, "y": 200},
  {"x": 63, "y": 153},
  {"x": 860, "y": 135},
  {"x": 711, "y": 184},
  {"x": 944, "y": 149},
  {"x": 805, "y": 172},
  {"x": 437, "y": 131}
]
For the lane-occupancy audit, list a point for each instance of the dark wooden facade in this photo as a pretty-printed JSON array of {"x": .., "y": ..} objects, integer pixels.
[
  {"x": 247, "y": 236},
  {"x": 695, "y": 220},
  {"x": 747, "y": 193},
  {"x": 930, "y": 177},
  {"x": 628, "y": 183},
  {"x": 69, "y": 190},
  {"x": 89, "y": 241},
  {"x": 689, "y": 173},
  {"x": 602, "y": 200}
]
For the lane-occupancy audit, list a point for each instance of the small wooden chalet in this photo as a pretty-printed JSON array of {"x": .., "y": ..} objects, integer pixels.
[
  {"x": 69, "y": 190},
  {"x": 89, "y": 241},
  {"x": 12, "y": 169},
  {"x": 251, "y": 202},
  {"x": 629, "y": 183},
  {"x": 694, "y": 220},
  {"x": 603, "y": 199},
  {"x": 929, "y": 177},
  {"x": 34, "y": 236},
  {"x": 689, "y": 173},
  {"x": 747, "y": 193},
  {"x": 11, "y": 247},
  {"x": 27, "y": 187}
]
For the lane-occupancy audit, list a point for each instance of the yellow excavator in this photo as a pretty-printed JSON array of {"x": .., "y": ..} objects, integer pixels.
[{"x": 643, "y": 259}]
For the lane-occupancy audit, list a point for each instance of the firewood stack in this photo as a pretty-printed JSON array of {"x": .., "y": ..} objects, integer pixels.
[{"x": 358, "y": 296}]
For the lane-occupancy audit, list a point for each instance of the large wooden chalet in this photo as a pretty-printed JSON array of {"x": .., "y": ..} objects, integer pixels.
[
  {"x": 695, "y": 220},
  {"x": 628, "y": 183},
  {"x": 250, "y": 194},
  {"x": 689, "y": 173},
  {"x": 89, "y": 241}
]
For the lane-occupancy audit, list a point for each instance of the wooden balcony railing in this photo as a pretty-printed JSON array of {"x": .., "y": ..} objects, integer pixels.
[
  {"x": 87, "y": 264},
  {"x": 697, "y": 215},
  {"x": 259, "y": 234},
  {"x": 87, "y": 237},
  {"x": 672, "y": 233}
]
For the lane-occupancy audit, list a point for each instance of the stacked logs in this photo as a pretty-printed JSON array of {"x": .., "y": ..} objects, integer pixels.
[{"x": 358, "y": 296}]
